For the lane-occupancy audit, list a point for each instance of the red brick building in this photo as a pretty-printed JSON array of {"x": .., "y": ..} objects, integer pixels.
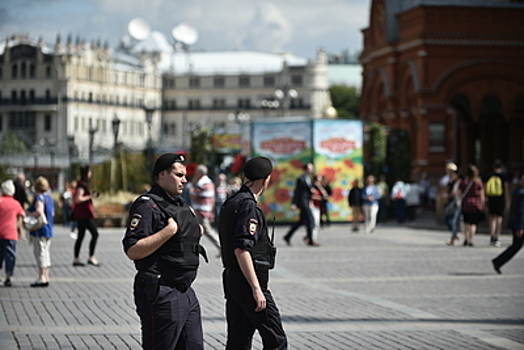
[{"x": 451, "y": 73}]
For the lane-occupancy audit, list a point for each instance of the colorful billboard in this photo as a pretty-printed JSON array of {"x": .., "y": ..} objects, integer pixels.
[{"x": 333, "y": 146}]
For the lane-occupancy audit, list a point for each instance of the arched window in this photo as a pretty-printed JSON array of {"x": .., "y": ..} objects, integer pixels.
[{"x": 14, "y": 71}]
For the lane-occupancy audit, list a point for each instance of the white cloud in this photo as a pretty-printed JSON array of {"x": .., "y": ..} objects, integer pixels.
[{"x": 296, "y": 26}]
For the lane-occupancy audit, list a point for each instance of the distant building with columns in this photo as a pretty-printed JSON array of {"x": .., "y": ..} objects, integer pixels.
[{"x": 62, "y": 100}]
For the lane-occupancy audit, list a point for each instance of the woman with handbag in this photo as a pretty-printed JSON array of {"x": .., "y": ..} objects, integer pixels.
[
  {"x": 43, "y": 208},
  {"x": 472, "y": 193},
  {"x": 84, "y": 212}
]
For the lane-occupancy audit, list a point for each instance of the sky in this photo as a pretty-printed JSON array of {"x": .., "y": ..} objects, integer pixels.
[{"x": 298, "y": 27}]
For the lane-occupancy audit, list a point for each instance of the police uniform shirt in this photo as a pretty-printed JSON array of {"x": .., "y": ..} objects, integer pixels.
[
  {"x": 148, "y": 218},
  {"x": 249, "y": 227}
]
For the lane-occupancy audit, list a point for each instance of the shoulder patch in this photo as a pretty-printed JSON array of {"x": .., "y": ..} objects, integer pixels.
[
  {"x": 252, "y": 226},
  {"x": 135, "y": 221}
]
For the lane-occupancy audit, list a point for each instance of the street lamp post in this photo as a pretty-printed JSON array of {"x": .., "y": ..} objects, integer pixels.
[
  {"x": 240, "y": 118},
  {"x": 268, "y": 104},
  {"x": 70, "y": 151},
  {"x": 51, "y": 143},
  {"x": 92, "y": 132},
  {"x": 285, "y": 94},
  {"x": 34, "y": 150},
  {"x": 116, "y": 128},
  {"x": 149, "y": 120}
]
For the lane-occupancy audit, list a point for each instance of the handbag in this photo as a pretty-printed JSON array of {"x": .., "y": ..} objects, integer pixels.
[
  {"x": 35, "y": 223},
  {"x": 456, "y": 203},
  {"x": 451, "y": 207}
]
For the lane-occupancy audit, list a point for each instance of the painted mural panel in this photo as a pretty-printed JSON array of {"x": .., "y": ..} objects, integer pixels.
[
  {"x": 334, "y": 147},
  {"x": 337, "y": 146},
  {"x": 289, "y": 145}
]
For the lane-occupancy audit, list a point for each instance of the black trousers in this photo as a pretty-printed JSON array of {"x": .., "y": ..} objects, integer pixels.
[
  {"x": 83, "y": 225},
  {"x": 307, "y": 219},
  {"x": 242, "y": 320},
  {"x": 510, "y": 251},
  {"x": 172, "y": 322}
]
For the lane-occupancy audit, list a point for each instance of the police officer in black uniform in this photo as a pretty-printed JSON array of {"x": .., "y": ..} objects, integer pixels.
[
  {"x": 162, "y": 239},
  {"x": 248, "y": 254}
]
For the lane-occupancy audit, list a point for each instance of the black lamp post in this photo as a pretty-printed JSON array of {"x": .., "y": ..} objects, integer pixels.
[
  {"x": 70, "y": 153},
  {"x": 149, "y": 120},
  {"x": 285, "y": 94},
  {"x": 116, "y": 128},
  {"x": 92, "y": 132},
  {"x": 35, "y": 158}
]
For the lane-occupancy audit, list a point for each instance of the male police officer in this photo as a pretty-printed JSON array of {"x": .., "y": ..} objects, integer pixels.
[
  {"x": 163, "y": 240},
  {"x": 248, "y": 255}
]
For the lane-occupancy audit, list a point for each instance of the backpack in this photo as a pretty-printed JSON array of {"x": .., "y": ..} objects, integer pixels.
[{"x": 494, "y": 186}]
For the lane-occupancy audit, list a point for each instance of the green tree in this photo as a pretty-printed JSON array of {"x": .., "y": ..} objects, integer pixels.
[
  {"x": 10, "y": 144},
  {"x": 378, "y": 149},
  {"x": 345, "y": 100}
]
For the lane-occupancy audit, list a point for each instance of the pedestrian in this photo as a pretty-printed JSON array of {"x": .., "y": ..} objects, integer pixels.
[
  {"x": 319, "y": 193},
  {"x": 413, "y": 197},
  {"x": 516, "y": 223},
  {"x": 66, "y": 204},
  {"x": 471, "y": 191},
  {"x": 497, "y": 191},
  {"x": 20, "y": 190},
  {"x": 42, "y": 204},
  {"x": 84, "y": 212},
  {"x": 302, "y": 201},
  {"x": 234, "y": 185},
  {"x": 221, "y": 194},
  {"x": 355, "y": 203},
  {"x": 453, "y": 215},
  {"x": 202, "y": 194},
  {"x": 324, "y": 203},
  {"x": 11, "y": 214},
  {"x": 162, "y": 239},
  {"x": 398, "y": 196},
  {"x": 248, "y": 254},
  {"x": 383, "y": 201},
  {"x": 370, "y": 196}
]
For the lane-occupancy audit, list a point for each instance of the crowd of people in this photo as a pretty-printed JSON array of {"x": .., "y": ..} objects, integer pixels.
[
  {"x": 31, "y": 217},
  {"x": 168, "y": 220}
]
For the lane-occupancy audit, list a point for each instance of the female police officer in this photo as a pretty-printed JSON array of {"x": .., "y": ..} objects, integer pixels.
[
  {"x": 248, "y": 255},
  {"x": 163, "y": 240}
]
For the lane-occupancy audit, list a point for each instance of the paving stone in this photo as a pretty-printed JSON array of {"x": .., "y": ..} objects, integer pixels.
[{"x": 398, "y": 288}]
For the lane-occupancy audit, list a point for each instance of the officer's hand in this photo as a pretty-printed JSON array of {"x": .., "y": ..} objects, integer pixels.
[
  {"x": 172, "y": 225},
  {"x": 260, "y": 299}
]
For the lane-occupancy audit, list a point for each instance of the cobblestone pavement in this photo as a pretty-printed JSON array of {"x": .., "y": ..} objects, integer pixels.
[{"x": 398, "y": 288}]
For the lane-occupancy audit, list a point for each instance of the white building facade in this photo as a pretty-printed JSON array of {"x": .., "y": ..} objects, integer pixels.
[{"x": 62, "y": 100}]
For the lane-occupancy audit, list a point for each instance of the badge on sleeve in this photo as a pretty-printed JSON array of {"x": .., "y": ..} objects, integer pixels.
[
  {"x": 135, "y": 221},
  {"x": 252, "y": 226}
]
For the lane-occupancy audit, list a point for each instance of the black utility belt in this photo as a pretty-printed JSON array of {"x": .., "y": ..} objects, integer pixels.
[{"x": 173, "y": 284}]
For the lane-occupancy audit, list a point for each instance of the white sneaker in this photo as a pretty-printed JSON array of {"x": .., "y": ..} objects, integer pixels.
[{"x": 73, "y": 235}]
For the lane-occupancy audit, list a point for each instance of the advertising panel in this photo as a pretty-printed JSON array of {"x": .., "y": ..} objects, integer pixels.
[
  {"x": 288, "y": 145},
  {"x": 333, "y": 146},
  {"x": 338, "y": 156}
]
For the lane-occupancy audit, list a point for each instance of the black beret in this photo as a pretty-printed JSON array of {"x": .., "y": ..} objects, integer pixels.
[
  {"x": 166, "y": 160},
  {"x": 258, "y": 168}
]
